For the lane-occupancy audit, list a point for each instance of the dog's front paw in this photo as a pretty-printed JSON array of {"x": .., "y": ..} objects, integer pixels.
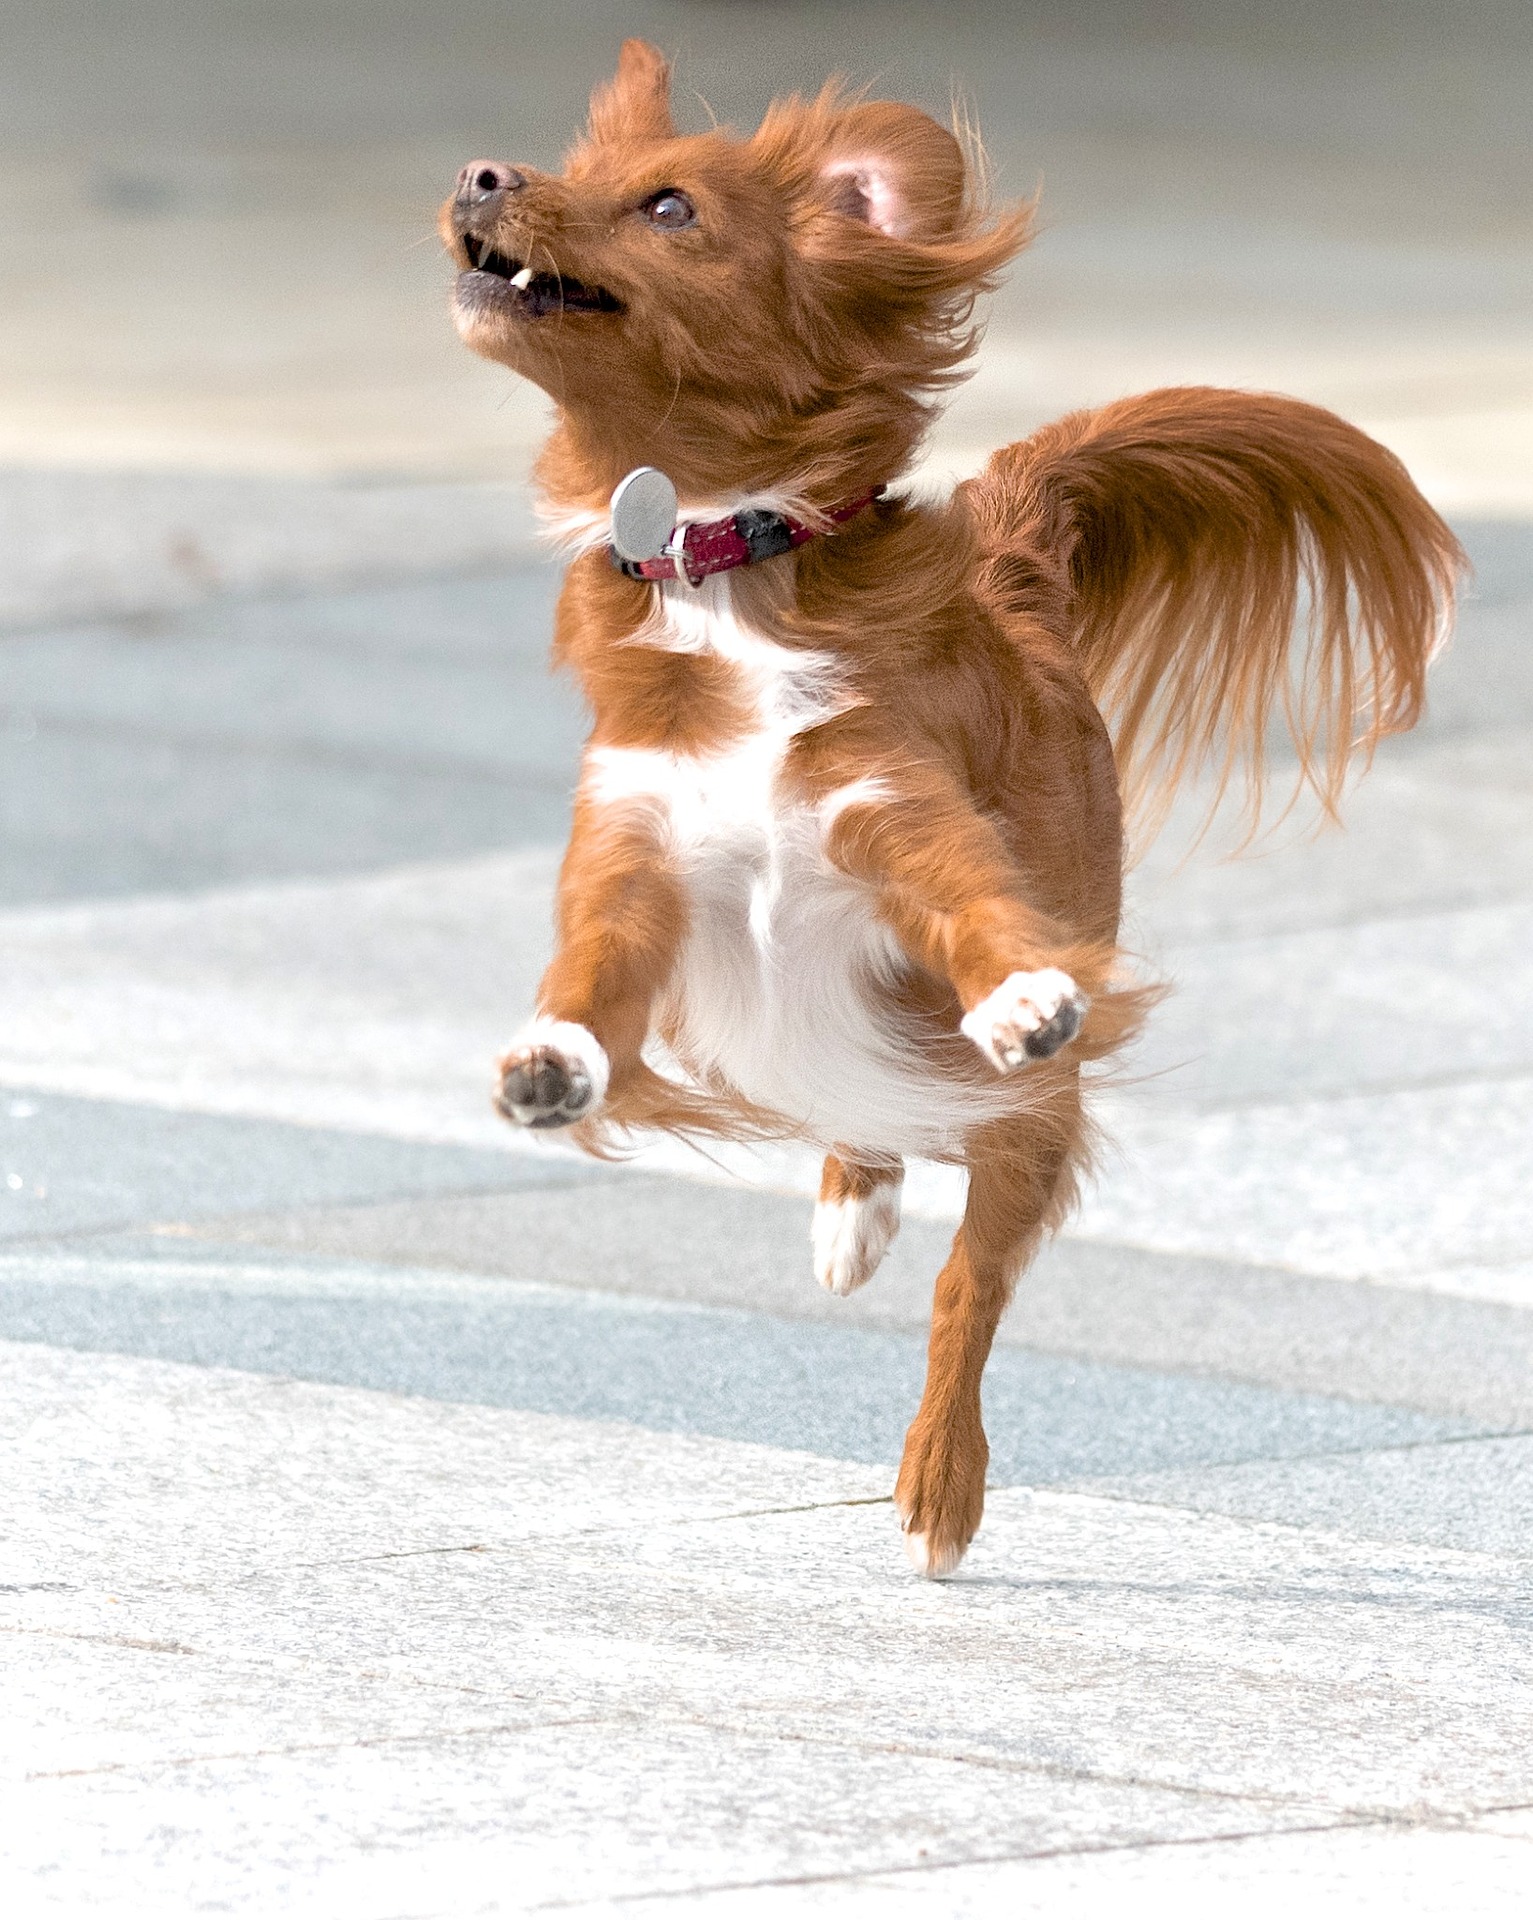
[
  {"x": 554, "y": 1076},
  {"x": 1030, "y": 1016}
]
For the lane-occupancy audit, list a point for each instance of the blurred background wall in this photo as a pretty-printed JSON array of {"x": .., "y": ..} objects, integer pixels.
[{"x": 224, "y": 351}]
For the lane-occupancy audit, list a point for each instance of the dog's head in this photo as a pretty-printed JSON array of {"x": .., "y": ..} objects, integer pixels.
[{"x": 774, "y": 313}]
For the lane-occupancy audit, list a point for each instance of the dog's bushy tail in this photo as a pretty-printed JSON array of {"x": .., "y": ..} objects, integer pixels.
[{"x": 1216, "y": 557}]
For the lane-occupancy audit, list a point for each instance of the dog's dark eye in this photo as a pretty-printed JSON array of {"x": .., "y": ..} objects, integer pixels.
[{"x": 671, "y": 211}]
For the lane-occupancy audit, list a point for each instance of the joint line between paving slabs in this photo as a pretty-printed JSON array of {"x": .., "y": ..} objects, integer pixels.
[
  {"x": 975, "y": 1860},
  {"x": 373, "y": 1559},
  {"x": 997, "y": 1763},
  {"x": 1102, "y": 1487},
  {"x": 100, "y": 1639},
  {"x": 768, "y": 1513},
  {"x": 575, "y": 1533},
  {"x": 1106, "y": 1489},
  {"x": 322, "y": 1746}
]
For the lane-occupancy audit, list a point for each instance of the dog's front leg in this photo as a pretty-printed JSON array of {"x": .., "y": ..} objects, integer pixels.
[
  {"x": 620, "y": 921},
  {"x": 958, "y": 901}
]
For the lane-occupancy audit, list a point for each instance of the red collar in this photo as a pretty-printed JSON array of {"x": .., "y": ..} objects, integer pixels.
[{"x": 739, "y": 540}]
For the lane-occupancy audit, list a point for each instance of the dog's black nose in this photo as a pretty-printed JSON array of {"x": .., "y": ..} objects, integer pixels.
[{"x": 481, "y": 180}]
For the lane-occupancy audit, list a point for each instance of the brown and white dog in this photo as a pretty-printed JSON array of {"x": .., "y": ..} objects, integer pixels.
[{"x": 849, "y": 833}]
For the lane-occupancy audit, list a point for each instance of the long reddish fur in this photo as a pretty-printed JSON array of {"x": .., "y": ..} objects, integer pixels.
[{"x": 1112, "y": 605}]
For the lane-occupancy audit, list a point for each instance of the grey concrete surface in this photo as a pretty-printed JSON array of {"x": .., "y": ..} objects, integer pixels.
[
  {"x": 118, "y": 816},
  {"x": 1461, "y": 984},
  {"x": 431, "y": 671}
]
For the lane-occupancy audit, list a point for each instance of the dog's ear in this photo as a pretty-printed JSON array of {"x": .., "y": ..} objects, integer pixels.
[
  {"x": 635, "y": 104},
  {"x": 893, "y": 168}
]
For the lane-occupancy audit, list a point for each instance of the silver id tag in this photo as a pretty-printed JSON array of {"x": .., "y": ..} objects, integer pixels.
[{"x": 643, "y": 514}]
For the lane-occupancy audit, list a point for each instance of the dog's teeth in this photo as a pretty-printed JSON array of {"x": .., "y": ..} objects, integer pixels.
[{"x": 521, "y": 281}]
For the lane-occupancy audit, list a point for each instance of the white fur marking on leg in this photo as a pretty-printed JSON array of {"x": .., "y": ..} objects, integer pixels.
[
  {"x": 915, "y": 1552},
  {"x": 850, "y": 1236},
  {"x": 918, "y": 1552},
  {"x": 1028, "y": 1017}
]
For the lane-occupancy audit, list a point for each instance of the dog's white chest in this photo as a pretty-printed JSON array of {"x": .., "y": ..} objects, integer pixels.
[{"x": 777, "y": 987}]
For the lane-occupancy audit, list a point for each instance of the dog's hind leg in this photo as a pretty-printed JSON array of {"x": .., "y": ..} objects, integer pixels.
[
  {"x": 855, "y": 1221},
  {"x": 1021, "y": 1182}
]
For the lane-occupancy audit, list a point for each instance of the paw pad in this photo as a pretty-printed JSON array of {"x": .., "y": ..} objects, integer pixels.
[
  {"x": 552, "y": 1080},
  {"x": 1030, "y": 1016}
]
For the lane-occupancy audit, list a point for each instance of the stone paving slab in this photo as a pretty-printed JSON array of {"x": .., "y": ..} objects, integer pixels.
[
  {"x": 1401, "y": 853},
  {"x": 1421, "y": 1346},
  {"x": 446, "y": 673},
  {"x": 1380, "y": 1005},
  {"x": 68, "y": 1166},
  {"x": 589, "y": 1707},
  {"x": 495, "y": 1213},
  {"x": 251, "y": 1781},
  {"x": 105, "y": 816},
  {"x": 1088, "y": 1636},
  {"x": 148, "y": 544},
  {"x": 1452, "y": 1340},
  {"x": 1430, "y": 1875},
  {"x": 363, "y": 1003},
  {"x": 1473, "y": 1494},
  {"x": 1445, "y": 1168},
  {"x": 547, "y": 1815},
  {"x": 847, "y": 1393},
  {"x": 658, "y": 1237},
  {"x": 1427, "y": 831},
  {"x": 256, "y": 739},
  {"x": 241, "y": 1474}
]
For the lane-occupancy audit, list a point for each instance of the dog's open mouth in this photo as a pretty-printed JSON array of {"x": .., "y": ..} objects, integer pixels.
[{"x": 538, "y": 293}]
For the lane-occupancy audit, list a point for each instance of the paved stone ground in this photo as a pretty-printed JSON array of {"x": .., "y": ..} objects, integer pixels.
[{"x": 400, "y": 1520}]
